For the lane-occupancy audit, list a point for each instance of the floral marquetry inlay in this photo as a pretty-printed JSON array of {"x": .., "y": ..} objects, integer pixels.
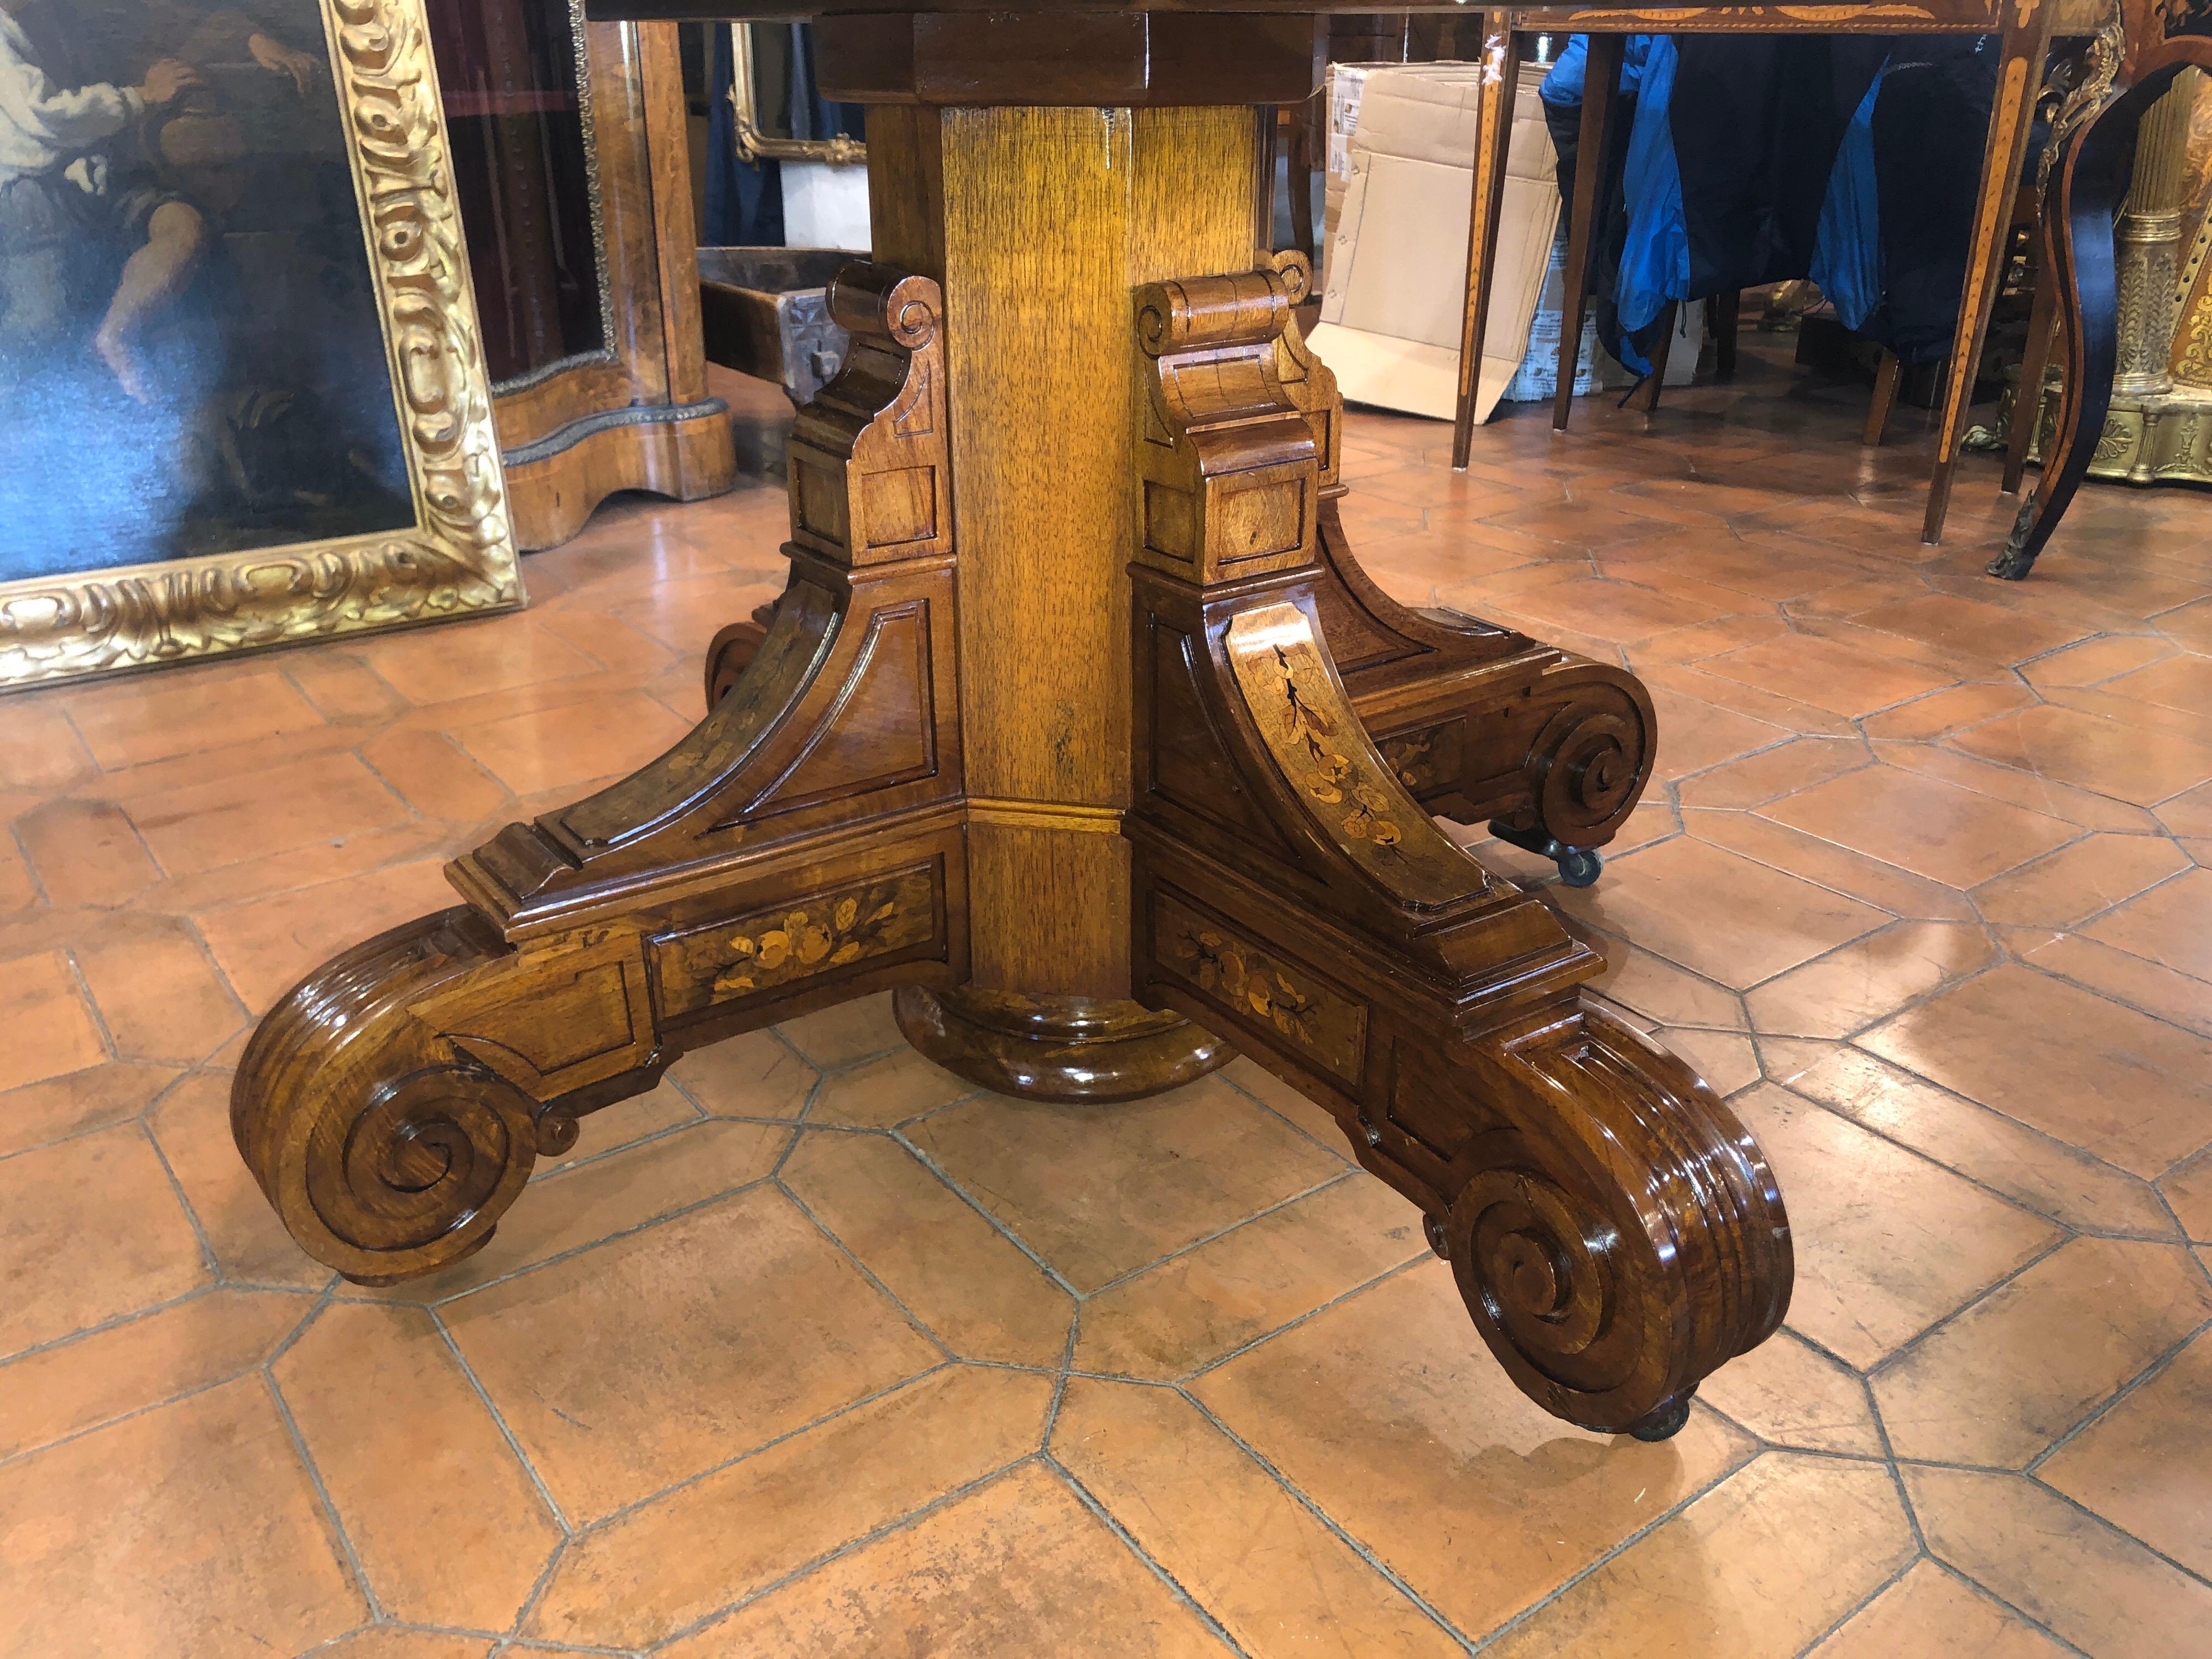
[
  {"x": 764, "y": 951},
  {"x": 1323, "y": 751},
  {"x": 1259, "y": 985}
]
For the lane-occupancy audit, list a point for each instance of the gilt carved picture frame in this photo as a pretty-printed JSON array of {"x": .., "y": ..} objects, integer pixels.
[{"x": 246, "y": 402}]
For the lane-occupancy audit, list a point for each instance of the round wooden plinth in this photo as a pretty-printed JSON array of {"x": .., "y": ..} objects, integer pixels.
[{"x": 1058, "y": 1048}]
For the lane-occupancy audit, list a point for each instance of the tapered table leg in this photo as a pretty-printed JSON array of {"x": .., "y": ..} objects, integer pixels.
[
  {"x": 2023, "y": 48},
  {"x": 1601, "y": 86},
  {"x": 1493, "y": 137}
]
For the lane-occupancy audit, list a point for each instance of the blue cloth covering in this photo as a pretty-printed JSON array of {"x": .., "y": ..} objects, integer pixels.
[{"x": 1750, "y": 160}]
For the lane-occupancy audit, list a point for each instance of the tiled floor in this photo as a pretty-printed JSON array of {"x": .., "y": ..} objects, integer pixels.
[{"x": 813, "y": 1352}]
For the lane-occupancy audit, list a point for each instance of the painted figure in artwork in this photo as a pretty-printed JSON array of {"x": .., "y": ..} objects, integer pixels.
[{"x": 187, "y": 322}]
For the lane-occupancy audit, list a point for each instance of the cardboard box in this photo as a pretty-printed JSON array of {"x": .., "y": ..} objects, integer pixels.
[{"x": 1394, "y": 274}]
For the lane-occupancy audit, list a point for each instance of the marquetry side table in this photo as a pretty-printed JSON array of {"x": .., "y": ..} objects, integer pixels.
[{"x": 1080, "y": 729}]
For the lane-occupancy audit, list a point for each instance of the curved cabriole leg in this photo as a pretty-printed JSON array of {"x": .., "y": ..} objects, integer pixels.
[
  {"x": 1615, "y": 1232},
  {"x": 806, "y": 844},
  {"x": 2088, "y": 179},
  {"x": 1483, "y": 724}
]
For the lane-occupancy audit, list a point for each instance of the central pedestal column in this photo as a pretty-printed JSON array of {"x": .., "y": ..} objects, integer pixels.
[{"x": 1041, "y": 224}]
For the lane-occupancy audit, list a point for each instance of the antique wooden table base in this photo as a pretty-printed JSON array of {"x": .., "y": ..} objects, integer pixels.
[{"x": 1078, "y": 727}]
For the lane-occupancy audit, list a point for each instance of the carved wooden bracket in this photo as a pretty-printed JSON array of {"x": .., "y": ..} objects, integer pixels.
[
  {"x": 803, "y": 845},
  {"x": 1615, "y": 1232}
]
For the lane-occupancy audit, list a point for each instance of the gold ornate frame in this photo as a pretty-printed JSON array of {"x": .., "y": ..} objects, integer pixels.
[
  {"x": 754, "y": 146},
  {"x": 459, "y": 559}
]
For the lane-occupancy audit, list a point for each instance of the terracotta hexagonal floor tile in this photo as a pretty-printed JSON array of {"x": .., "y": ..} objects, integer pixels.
[
  {"x": 2013, "y": 1373},
  {"x": 90, "y": 1230},
  {"x": 37, "y": 1112},
  {"x": 446, "y": 1523},
  {"x": 1387, "y": 1412},
  {"x": 1194, "y": 1307},
  {"x": 1931, "y": 828},
  {"x": 2122, "y": 1085},
  {"x": 390, "y": 1642},
  {"x": 656, "y": 1357},
  {"x": 2027, "y": 1166},
  {"x": 86, "y": 853},
  {"x": 1848, "y": 679},
  {"x": 109, "y": 1373},
  {"x": 2142, "y": 1464},
  {"x": 1788, "y": 1392},
  {"x": 205, "y": 706},
  {"x": 2079, "y": 880},
  {"x": 192, "y": 1124},
  {"x": 2094, "y": 1586},
  {"x": 1278, "y": 1580},
  {"x": 1930, "y": 1611},
  {"x": 2171, "y": 925},
  {"x": 179, "y": 1534},
  {"x": 750, "y": 1076},
  {"x": 1100, "y": 1191},
  {"x": 967, "y": 1282},
  {"x": 50, "y": 1029},
  {"x": 1887, "y": 1243},
  {"x": 1717, "y": 913},
  {"x": 2125, "y": 762},
  {"x": 649, "y": 1573},
  {"x": 571, "y": 1208},
  {"x": 1014, "y": 1568},
  {"x": 1754, "y": 1569},
  {"x": 1860, "y": 983}
]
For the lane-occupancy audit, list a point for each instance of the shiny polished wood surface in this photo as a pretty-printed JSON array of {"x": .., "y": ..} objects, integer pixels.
[
  {"x": 638, "y": 416},
  {"x": 1080, "y": 727}
]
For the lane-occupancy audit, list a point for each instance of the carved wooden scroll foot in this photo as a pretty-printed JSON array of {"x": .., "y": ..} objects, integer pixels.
[
  {"x": 1483, "y": 724},
  {"x": 803, "y": 845},
  {"x": 1615, "y": 1232}
]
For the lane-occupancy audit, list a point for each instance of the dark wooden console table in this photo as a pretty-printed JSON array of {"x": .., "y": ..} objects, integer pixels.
[{"x": 1080, "y": 728}]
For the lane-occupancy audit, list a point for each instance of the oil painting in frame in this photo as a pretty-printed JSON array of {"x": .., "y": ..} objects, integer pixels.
[{"x": 243, "y": 397}]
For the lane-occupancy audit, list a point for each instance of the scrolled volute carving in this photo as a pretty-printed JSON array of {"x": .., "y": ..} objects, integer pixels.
[
  {"x": 1588, "y": 768},
  {"x": 1624, "y": 1238},
  {"x": 870, "y": 298},
  {"x": 1212, "y": 313},
  {"x": 388, "y": 1152},
  {"x": 425, "y": 1156}
]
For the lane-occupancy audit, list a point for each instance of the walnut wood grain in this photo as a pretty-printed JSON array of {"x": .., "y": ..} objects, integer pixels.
[
  {"x": 1615, "y": 1232},
  {"x": 805, "y": 845},
  {"x": 638, "y": 416},
  {"x": 1483, "y": 724},
  {"x": 1041, "y": 220},
  {"x": 1046, "y": 736}
]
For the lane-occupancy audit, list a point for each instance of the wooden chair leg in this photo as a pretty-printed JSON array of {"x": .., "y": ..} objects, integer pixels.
[
  {"x": 1646, "y": 395},
  {"x": 1303, "y": 127},
  {"x": 1493, "y": 132},
  {"x": 2087, "y": 182},
  {"x": 1884, "y": 397},
  {"x": 2027, "y": 44},
  {"x": 1727, "y": 315},
  {"x": 1601, "y": 85},
  {"x": 2034, "y": 364}
]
